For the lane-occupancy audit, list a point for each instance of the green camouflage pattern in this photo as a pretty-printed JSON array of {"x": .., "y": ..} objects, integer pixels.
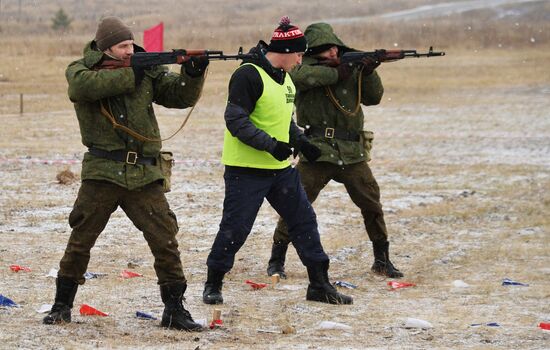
[
  {"x": 131, "y": 106},
  {"x": 318, "y": 34},
  {"x": 314, "y": 107}
]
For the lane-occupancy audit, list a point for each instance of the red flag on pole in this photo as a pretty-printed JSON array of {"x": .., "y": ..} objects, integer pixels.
[{"x": 153, "y": 38}]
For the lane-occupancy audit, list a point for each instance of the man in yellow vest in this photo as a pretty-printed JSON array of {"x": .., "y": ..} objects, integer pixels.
[{"x": 259, "y": 138}]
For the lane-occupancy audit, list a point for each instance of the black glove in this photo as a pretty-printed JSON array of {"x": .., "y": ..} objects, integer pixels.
[
  {"x": 369, "y": 64},
  {"x": 281, "y": 151},
  {"x": 310, "y": 151},
  {"x": 344, "y": 71},
  {"x": 196, "y": 65},
  {"x": 139, "y": 72}
]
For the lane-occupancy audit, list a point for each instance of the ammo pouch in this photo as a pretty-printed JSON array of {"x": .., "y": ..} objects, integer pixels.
[
  {"x": 166, "y": 160},
  {"x": 368, "y": 137}
]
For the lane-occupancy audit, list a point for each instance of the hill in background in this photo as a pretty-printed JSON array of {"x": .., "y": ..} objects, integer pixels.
[{"x": 229, "y": 24}]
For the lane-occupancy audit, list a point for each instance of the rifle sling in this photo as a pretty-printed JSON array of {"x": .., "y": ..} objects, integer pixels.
[
  {"x": 337, "y": 104},
  {"x": 137, "y": 135}
]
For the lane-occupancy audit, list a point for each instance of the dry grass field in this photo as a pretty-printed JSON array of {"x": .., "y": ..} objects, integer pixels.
[{"x": 461, "y": 154}]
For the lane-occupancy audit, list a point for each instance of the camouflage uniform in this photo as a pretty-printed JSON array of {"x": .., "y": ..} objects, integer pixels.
[
  {"x": 338, "y": 132},
  {"x": 124, "y": 166},
  {"x": 107, "y": 184}
]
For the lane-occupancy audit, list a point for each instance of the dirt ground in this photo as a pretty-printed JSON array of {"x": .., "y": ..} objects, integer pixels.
[{"x": 461, "y": 154}]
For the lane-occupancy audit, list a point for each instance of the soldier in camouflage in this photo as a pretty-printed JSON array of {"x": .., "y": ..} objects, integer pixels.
[
  {"x": 122, "y": 170},
  {"x": 328, "y": 106}
]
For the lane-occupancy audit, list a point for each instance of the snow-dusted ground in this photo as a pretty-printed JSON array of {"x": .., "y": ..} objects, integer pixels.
[
  {"x": 466, "y": 193},
  {"x": 449, "y": 8},
  {"x": 435, "y": 11}
]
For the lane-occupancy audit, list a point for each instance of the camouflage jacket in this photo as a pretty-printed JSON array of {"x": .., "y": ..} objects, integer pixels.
[
  {"x": 131, "y": 106},
  {"x": 314, "y": 108}
]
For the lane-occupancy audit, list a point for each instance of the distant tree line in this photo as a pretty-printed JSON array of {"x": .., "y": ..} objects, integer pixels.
[{"x": 61, "y": 21}]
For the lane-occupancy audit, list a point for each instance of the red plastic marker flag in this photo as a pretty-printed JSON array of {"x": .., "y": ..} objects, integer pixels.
[
  {"x": 396, "y": 285},
  {"x": 255, "y": 285},
  {"x": 153, "y": 38},
  {"x": 17, "y": 268},
  {"x": 545, "y": 326},
  {"x": 129, "y": 274},
  {"x": 87, "y": 310},
  {"x": 216, "y": 323}
]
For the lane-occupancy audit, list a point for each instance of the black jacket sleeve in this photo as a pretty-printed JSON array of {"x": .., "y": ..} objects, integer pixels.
[{"x": 297, "y": 137}]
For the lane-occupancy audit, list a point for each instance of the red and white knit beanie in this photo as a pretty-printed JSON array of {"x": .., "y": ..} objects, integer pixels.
[{"x": 287, "y": 38}]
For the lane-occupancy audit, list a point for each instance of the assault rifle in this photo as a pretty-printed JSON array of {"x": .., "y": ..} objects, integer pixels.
[
  {"x": 148, "y": 59},
  {"x": 381, "y": 55}
]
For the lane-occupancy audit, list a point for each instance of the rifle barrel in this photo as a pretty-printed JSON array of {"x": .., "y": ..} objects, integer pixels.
[
  {"x": 229, "y": 57},
  {"x": 430, "y": 53}
]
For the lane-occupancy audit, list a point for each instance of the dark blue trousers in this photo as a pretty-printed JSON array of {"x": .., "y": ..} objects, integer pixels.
[{"x": 244, "y": 195}]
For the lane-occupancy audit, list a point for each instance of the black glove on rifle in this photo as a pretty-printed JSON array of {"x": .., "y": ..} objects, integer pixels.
[
  {"x": 139, "y": 72},
  {"x": 369, "y": 64},
  {"x": 196, "y": 65},
  {"x": 281, "y": 151}
]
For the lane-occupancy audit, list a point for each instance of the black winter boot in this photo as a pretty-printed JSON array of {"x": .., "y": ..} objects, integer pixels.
[
  {"x": 212, "y": 293},
  {"x": 320, "y": 289},
  {"x": 175, "y": 316},
  {"x": 276, "y": 263},
  {"x": 64, "y": 297},
  {"x": 382, "y": 264}
]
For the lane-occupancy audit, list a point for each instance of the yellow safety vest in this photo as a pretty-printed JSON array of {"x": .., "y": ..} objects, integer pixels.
[{"x": 272, "y": 114}]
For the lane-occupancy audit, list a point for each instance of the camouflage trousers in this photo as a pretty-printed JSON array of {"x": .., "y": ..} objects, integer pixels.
[
  {"x": 360, "y": 185},
  {"x": 146, "y": 207}
]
